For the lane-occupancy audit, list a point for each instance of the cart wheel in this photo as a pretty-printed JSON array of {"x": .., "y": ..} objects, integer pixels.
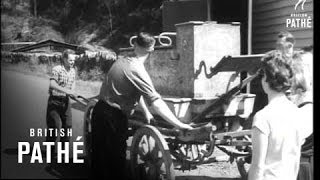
[
  {"x": 150, "y": 156},
  {"x": 243, "y": 167},
  {"x": 87, "y": 132}
]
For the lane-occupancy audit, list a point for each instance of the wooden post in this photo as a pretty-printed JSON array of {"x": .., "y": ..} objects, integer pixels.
[
  {"x": 249, "y": 27},
  {"x": 208, "y": 10},
  {"x": 249, "y": 42}
]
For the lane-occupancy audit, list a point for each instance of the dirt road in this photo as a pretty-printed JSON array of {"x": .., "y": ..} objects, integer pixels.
[{"x": 23, "y": 106}]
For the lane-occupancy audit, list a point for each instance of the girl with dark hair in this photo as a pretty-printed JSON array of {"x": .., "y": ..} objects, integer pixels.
[{"x": 276, "y": 137}]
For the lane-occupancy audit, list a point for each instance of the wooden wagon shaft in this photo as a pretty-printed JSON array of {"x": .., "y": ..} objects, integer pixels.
[
  {"x": 83, "y": 102},
  {"x": 198, "y": 133},
  {"x": 232, "y": 142},
  {"x": 233, "y": 134},
  {"x": 225, "y": 97},
  {"x": 233, "y": 152}
]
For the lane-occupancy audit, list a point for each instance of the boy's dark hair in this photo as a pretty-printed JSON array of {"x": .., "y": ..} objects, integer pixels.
[
  {"x": 278, "y": 71},
  {"x": 145, "y": 40}
]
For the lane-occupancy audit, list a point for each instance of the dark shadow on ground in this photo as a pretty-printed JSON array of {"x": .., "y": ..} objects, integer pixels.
[
  {"x": 60, "y": 170},
  {"x": 14, "y": 151},
  {"x": 82, "y": 170},
  {"x": 68, "y": 170}
]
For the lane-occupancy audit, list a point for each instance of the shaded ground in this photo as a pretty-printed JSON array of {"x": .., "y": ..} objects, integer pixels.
[{"x": 23, "y": 106}]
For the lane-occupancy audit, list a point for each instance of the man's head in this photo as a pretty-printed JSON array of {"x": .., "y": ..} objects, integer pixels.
[
  {"x": 285, "y": 43},
  {"x": 68, "y": 58},
  {"x": 144, "y": 43}
]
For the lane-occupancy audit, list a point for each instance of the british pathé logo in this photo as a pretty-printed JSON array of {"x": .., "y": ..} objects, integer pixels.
[{"x": 299, "y": 18}]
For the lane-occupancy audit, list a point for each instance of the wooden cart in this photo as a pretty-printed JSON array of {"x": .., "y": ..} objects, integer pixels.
[{"x": 158, "y": 148}]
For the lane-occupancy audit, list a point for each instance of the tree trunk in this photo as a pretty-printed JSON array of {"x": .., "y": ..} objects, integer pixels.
[{"x": 110, "y": 17}]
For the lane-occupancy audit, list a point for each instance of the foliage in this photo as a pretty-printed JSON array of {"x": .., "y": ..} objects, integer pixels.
[
  {"x": 88, "y": 68},
  {"x": 111, "y": 21}
]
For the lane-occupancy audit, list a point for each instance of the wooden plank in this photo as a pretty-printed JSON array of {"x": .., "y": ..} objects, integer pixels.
[
  {"x": 275, "y": 29},
  {"x": 280, "y": 5},
  {"x": 225, "y": 97},
  {"x": 233, "y": 134},
  {"x": 298, "y": 46},
  {"x": 260, "y": 41},
  {"x": 274, "y": 40},
  {"x": 299, "y": 43},
  {"x": 262, "y": 2},
  {"x": 262, "y": 7},
  {"x": 276, "y": 13},
  {"x": 261, "y": 50},
  {"x": 271, "y": 45},
  {"x": 308, "y": 33}
]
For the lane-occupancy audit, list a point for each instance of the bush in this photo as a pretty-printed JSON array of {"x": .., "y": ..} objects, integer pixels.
[{"x": 88, "y": 69}]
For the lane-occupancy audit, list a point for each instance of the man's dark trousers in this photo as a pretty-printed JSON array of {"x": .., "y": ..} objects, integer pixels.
[
  {"x": 109, "y": 134},
  {"x": 59, "y": 111}
]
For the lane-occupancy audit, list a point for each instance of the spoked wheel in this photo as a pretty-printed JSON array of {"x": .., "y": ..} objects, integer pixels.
[
  {"x": 87, "y": 132},
  {"x": 150, "y": 156}
]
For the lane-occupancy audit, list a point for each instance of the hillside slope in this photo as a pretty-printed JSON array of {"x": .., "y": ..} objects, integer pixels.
[{"x": 94, "y": 23}]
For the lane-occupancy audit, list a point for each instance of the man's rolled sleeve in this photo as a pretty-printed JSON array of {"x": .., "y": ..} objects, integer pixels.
[{"x": 142, "y": 81}]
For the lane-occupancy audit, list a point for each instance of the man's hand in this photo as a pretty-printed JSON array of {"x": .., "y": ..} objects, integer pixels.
[
  {"x": 153, "y": 122},
  {"x": 56, "y": 86},
  {"x": 149, "y": 117},
  {"x": 72, "y": 94},
  {"x": 147, "y": 114}
]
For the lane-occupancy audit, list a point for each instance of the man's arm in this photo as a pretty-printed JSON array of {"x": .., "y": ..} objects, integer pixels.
[
  {"x": 55, "y": 85},
  {"x": 163, "y": 110},
  {"x": 145, "y": 110}
]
